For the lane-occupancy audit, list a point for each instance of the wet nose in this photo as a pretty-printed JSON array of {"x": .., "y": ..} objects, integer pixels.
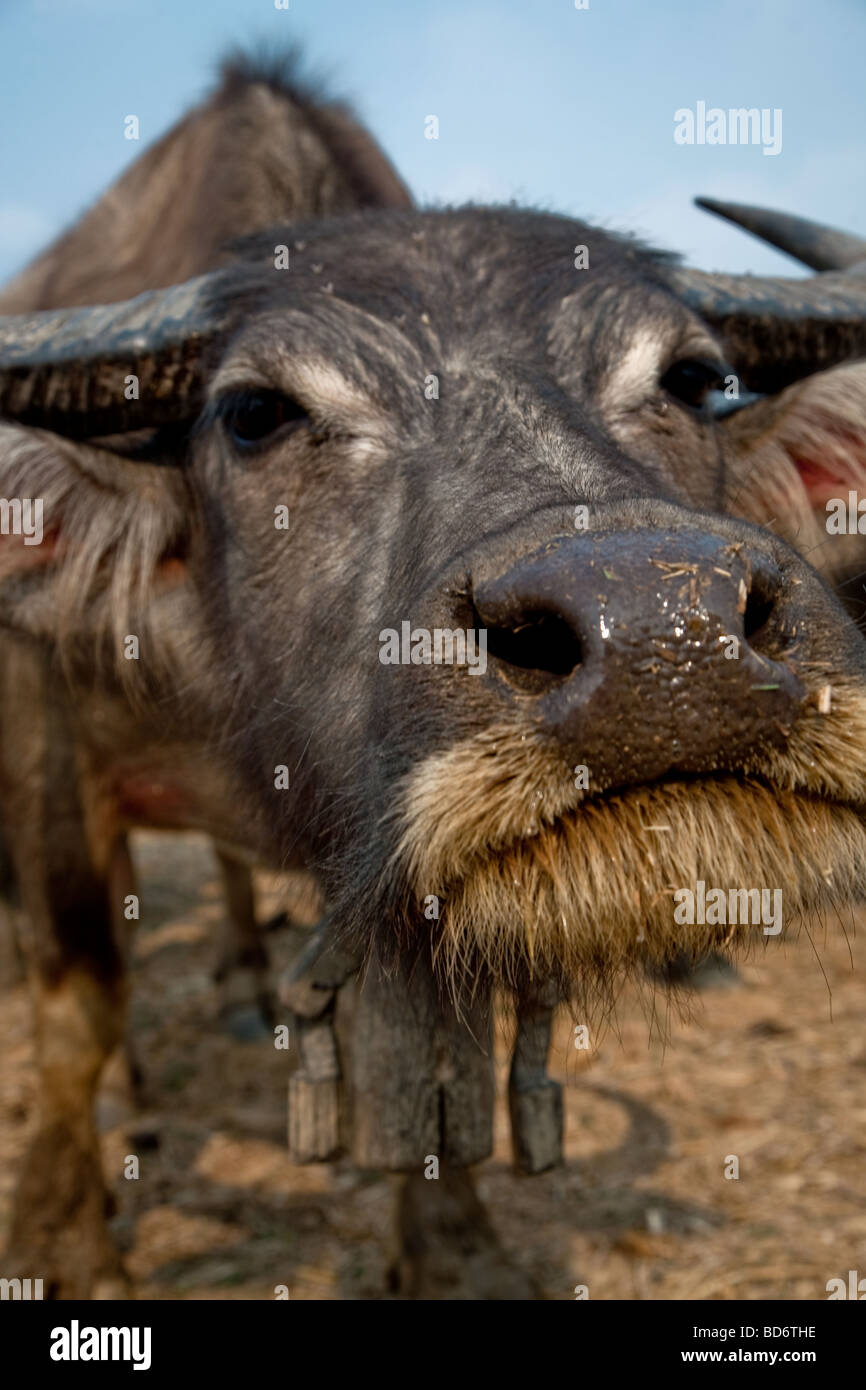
[{"x": 640, "y": 653}]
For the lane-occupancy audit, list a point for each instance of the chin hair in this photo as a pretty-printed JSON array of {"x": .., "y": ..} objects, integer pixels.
[{"x": 536, "y": 877}]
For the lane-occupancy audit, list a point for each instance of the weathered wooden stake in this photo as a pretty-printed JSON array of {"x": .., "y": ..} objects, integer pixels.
[
  {"x": 534, "y": 1098},
  {"x": 421, "y": 1074},
  {"x": 309, "y": 989}
]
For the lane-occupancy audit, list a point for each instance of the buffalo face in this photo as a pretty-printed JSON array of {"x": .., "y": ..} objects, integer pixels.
[{"x": 487, "y": 635}]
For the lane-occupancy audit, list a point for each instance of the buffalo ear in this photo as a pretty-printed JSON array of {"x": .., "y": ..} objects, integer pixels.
[
  {"x": 794, "y": 458},
  {"x": 88, "y": 544},
  {"x": 261, "y": 151}
]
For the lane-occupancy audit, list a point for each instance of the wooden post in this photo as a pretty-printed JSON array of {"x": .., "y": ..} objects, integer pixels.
[
  {"x": 315, "y": 1109},
  {"x": 416, "y": 1080},
  {"x": 534, "y": 1098},
  {"x": 421, "y": 1074}
]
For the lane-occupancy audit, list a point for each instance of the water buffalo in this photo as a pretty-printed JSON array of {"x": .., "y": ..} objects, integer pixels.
[
  {"x": 262, "y": 148},
  {"x": 359, "y": 435}
]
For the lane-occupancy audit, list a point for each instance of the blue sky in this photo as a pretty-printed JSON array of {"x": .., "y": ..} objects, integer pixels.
[{"x": 571, "y": 110}]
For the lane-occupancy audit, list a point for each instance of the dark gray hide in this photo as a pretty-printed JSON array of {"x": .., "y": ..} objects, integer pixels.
[{"x": 453, "y": 507}]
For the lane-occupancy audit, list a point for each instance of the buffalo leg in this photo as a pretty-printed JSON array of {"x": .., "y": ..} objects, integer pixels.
[
  {"x": 446, "y": 1247},
  {"x": 242, "y": 964},
  {"x": 12, "y": 964},
  {"x": 59, "y": 1227},
  {"x": 120, "y": 1095},
  {"x": 61, "y": 846}
]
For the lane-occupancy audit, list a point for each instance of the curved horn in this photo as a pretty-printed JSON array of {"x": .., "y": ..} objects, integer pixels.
[
  {"x": 779, "y": 330},
  {"x": 822, "y": 248},
  {"x": 67, "y": 369}
]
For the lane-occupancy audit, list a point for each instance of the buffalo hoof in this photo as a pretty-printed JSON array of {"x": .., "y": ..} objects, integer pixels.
[
  {"x": 60, "y": 1224},
  {"x": 246, "y": 1023},
  {"x": 245, "y": 1007}
]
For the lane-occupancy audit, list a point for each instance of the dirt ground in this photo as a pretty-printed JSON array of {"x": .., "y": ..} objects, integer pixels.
[{"x": 771, "y": 1070}]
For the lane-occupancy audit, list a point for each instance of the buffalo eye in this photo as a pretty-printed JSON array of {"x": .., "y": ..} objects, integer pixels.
[
  {"x": 253, "y": 417},
  {"x": 691, "y": 381}
]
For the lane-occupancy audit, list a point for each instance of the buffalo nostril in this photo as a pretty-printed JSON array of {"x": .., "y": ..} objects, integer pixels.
[
  {"x": 760, "y": 605},
  {"x": 534, "y": 651}
]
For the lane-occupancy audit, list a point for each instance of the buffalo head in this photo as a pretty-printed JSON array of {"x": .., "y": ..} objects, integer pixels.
[{"x": 470, "y": 506}]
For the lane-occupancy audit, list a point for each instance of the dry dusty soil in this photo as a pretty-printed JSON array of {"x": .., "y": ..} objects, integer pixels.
[{"x": 771, "y": 1070}]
